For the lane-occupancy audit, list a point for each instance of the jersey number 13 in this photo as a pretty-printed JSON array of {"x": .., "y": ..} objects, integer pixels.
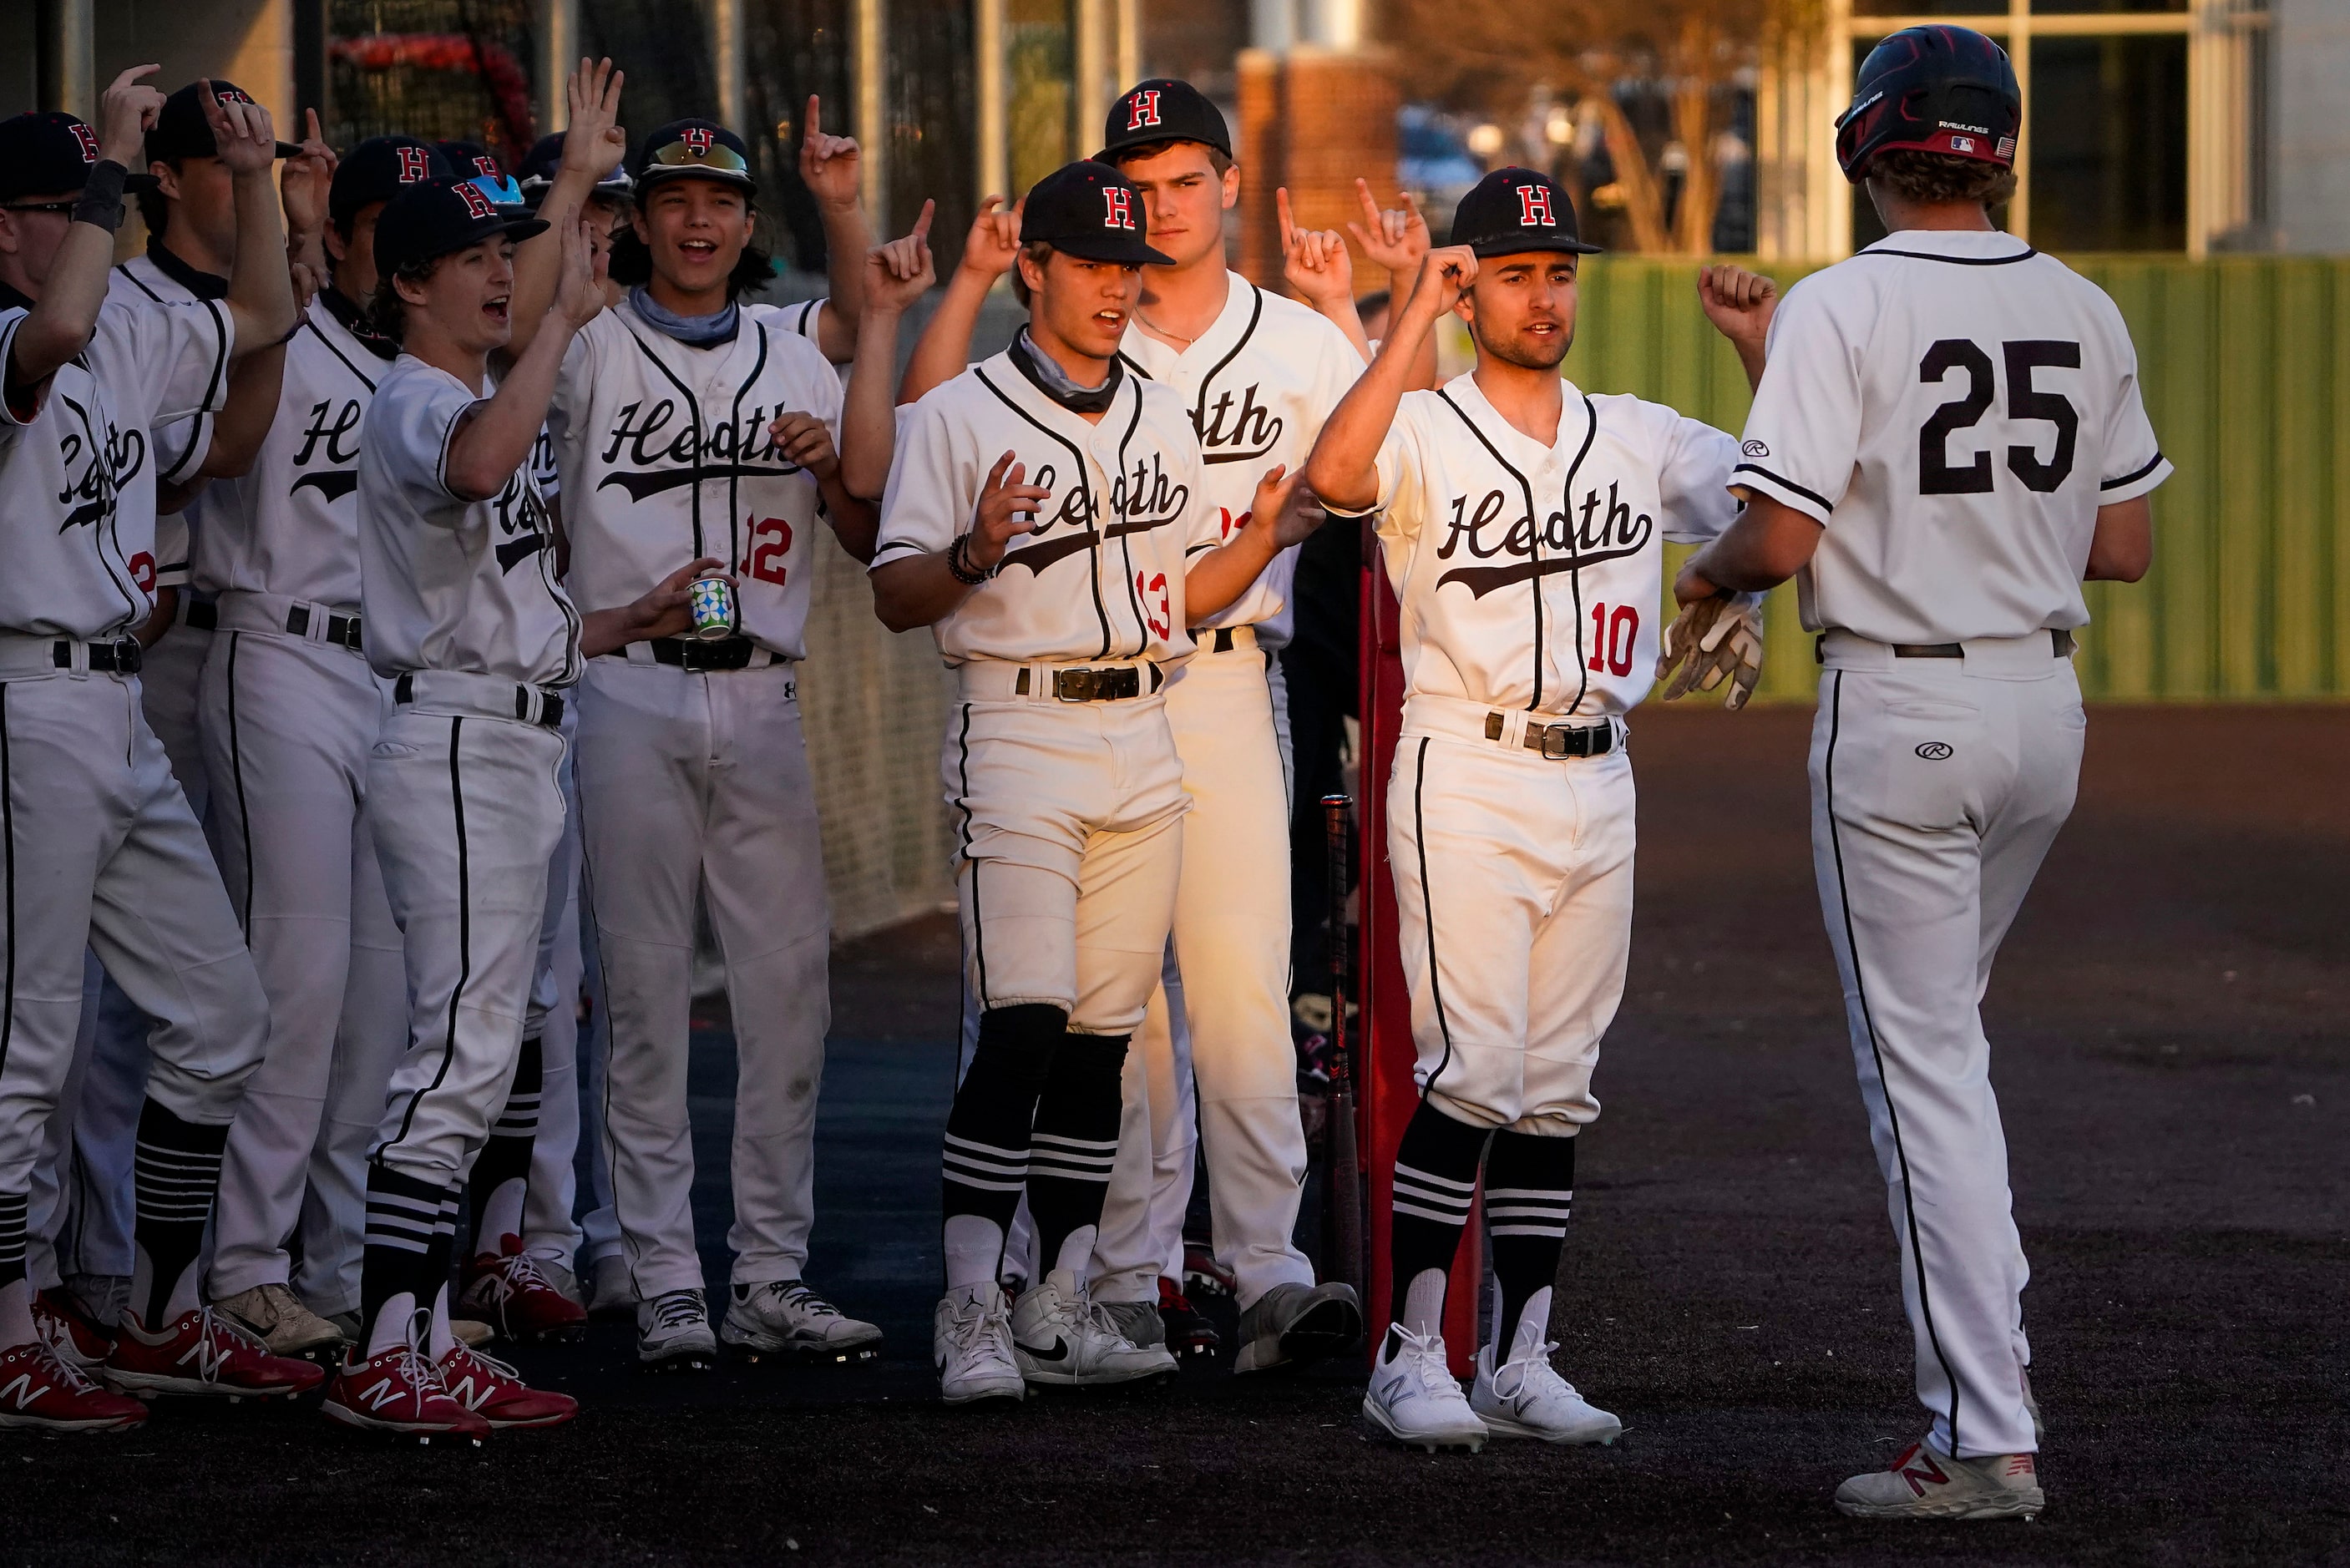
[{"x": 1937, "y": 475}]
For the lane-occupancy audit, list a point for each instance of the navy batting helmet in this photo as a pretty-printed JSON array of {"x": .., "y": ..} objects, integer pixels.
[{"x": 1936, "y": 88}]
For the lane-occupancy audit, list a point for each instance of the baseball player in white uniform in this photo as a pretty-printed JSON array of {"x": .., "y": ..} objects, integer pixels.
[
  {"x": 465, "y": 618},
  {"x": 692, "y": 422},
  {"x": 1040, "y": 517},
  {"x": 1947, "y": 439},
  {"x": 290, "y": 712},
  {"x": 1522, "y": 524},
  {"x": 186, "y": 200},
  {"x": 102, "y": 850}
]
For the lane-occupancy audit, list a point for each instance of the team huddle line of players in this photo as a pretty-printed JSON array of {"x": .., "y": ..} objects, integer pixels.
[{"x": 451, "y": 449}]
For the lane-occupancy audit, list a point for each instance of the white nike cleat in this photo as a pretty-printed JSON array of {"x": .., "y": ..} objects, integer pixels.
[
  {"x": 1062, "y": 1338},
  {"x": 1923, "y": 1484},
  {"x": 673, "y": 1332},
  {"x": 1524, "y": 1396},
  {"x": 971, "y": 1345},
  {"x": 1415, "y": 1399},
  {"x": 786, "y": 1317}
]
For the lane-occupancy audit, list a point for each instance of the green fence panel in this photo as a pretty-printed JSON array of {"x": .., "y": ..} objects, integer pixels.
[{"x": 2246, "y": 372}]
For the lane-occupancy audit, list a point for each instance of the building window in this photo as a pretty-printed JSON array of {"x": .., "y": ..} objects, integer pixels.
[{"x": 2107, "y": 141}]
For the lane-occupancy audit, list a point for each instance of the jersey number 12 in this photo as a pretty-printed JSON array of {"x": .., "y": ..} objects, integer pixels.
[{"x": 1936, "y": 473}]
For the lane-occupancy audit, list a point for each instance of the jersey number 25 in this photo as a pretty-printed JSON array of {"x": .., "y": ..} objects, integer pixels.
[{"x": 1937, "y": 475}]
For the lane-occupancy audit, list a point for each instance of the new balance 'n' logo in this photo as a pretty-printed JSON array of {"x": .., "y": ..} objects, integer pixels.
[
  {"x": 1534, "y": 208},
  {"x": 21, "y": 1390},
  {"x": 381, "y": 1394}
]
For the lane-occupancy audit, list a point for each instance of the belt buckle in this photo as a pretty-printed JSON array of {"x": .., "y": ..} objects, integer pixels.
[
  {"x": 1078, "y": 685},
  {"x": 350, "y": 628},
  {"x": 129, "y": 657},
  {"x": 1558, "y": 743}
]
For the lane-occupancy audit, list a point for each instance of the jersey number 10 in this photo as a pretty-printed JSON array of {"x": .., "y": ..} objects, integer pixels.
[{"x": 1937, "y": 475}]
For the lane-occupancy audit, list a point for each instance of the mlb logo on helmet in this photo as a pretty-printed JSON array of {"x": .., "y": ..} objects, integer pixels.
[
  {"x": 88, "y": 140},
  {"x": 476, "y": 204},
  {"x": 1962, "y": 144},
  {"x": 1142, "y": 109},
  {"x": 1534, "y": 208},
  {"x": 1121, "y": 202},
  {"x": 415, "y": 164}
]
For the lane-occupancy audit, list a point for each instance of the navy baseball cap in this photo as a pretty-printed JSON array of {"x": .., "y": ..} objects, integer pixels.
[
  {"x": 1512, "y": 211},
  {"x": 1163, "y": 109},
  {"x": 1089, "y": 210},
  {"x": 181, "y": 130},
  {"x": 50, "y": 154},
  {"x": 439, "y": 217},
  {"x": 379, "y": 169},
  {"x": 472, "y": 161},
  {"x": 545, "y": 161},
  {"x": 692, "y": 150}
]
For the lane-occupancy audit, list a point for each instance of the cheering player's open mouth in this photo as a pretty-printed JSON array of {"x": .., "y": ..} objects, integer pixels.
[
  {"x": 698, "y": 250},
  {"x": 495, "y": 307}
]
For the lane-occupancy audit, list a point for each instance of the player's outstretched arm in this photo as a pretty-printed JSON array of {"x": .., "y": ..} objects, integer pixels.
[
  {"x": 1739, "y": 305},
  {"x": 593, "y": 142},
  {"x": 1281, "y": 515},
  {"x": 665, "y": 610},
  {"x": 1770, "y": 543},
  {"x": 832, "y": 168},
  {"x": 59, "y": 325},
  {"x": 896, "y": 275},
  {"x": 921, "y": 589},
  {"x": 943, "y": 350},
  {"x": 260, "y": 286},
  {"x": 1343, "y": 470},
  {"x": 496, "y": 437}
]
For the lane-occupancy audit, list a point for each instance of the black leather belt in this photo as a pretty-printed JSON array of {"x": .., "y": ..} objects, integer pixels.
[
  {"x": 342, "y": 630},
  {"x": 1113, "y": 685},
  {"x": 2059, "y": 642},
  {"x": 1218, "y": 640},
  {"x": 202, "y": 614},
  {"x": 123, "y": 656},
  {"x": 722, "y": 653},
  {"x": 550, "y": 704},
  {"x": 1558, "y": 741}
]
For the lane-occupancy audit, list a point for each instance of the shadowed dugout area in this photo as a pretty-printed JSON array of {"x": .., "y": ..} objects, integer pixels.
[{"x": 2169, "y": 1048}]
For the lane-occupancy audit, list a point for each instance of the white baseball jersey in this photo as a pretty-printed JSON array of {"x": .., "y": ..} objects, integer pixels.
[
  {"x": 1102, "y": 575},
  {"x": 1259, "y": 383},
  {"x": 449, "y": 583},
  {"x": 1953, "y": 407},
  {"x": 1557, "y": 616},
  {"x": 180, "y": 444},
  {"x": 666, "y": 457},
  {"x": 291, "y": 525},
  {"x": 78, "y": 471}
]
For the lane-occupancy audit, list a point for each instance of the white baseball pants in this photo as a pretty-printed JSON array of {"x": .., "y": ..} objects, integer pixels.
[
  {"x": 1231, "y": 948},
  {"x": 88, "y": 1227},
  {"x": 1936, "y": 787},
  {"x": 693, "y": 784},
  {"x": 549, "y": 1230},
  {"x": 288, "y": 724},
  {"x": 103, "y": 854},
  {"x": 1069, "y": 821},
  {"x": 467, "y": 810},
  {"x": 1513, "y": 894}
]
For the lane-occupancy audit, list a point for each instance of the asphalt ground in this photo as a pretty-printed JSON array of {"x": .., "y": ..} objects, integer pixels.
[{"x": 2169, "y": 1021}]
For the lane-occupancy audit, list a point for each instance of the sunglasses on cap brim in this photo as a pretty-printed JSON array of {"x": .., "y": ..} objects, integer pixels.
[
  {"x": 717, "y": 157},
  {"x": 503, "y": 190}
]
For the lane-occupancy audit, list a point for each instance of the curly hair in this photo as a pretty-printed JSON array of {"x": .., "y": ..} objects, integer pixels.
[
  {"x": 385, "y": 310},
  {"x": 1936, "y": 177}
]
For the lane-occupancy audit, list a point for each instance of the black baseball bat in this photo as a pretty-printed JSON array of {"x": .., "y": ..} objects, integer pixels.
[{"x": 1346, "y": 1175}]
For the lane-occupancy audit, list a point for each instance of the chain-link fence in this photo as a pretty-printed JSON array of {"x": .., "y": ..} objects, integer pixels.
[{"x": 441, "y": 69}]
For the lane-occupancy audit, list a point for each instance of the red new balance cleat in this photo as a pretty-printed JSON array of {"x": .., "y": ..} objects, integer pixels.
[
  {"x": 42, "y": 1392},
  {"x": 400, "y": 1392},
  {"x": 496, "y": 1393},
  {"x": 203, "y": 1353},
  {"x": 80, "y": 1341},
  {"x": 509, "y": 1290}
]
